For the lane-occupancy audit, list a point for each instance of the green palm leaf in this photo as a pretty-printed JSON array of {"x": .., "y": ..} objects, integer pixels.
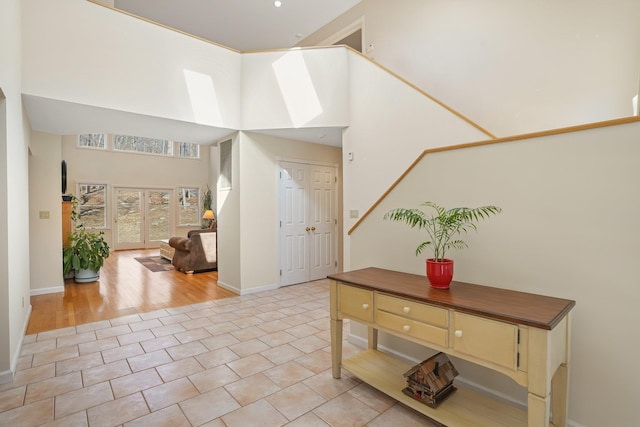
[{"x": 443, "y": 225}]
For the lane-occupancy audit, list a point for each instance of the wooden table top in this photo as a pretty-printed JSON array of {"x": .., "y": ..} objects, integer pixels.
[{"x": 523, "y": 308}]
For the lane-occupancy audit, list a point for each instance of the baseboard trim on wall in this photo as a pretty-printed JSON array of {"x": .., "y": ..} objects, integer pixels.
[
  {"x": 7, "y": 376},
  {"x": 229, "y": 287},
  {"x": 43, "y": 291},
  {"x": 260, "y": 289},
  {"x": 247, "y": 291}
]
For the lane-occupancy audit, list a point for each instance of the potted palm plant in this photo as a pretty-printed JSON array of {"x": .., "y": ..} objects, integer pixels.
[
  {"x": 442, "y": 227},
  {"x": 85, "y": 252}
]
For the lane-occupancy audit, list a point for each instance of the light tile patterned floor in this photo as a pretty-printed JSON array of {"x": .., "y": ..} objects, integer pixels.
[{"x": 256, "y": 360}]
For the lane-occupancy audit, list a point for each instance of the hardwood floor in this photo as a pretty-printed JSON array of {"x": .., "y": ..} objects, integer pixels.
[{"x": 125, "y": 287}]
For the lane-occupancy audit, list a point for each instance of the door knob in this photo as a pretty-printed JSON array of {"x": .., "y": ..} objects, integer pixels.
[
  {"x": 308, "y": 229},
  {"x": 313, "y": 229}
]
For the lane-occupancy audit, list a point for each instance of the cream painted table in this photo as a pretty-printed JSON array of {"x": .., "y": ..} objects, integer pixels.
[
  {"x": 166, "y": 251},
  {"x": 524, "y": 336}
]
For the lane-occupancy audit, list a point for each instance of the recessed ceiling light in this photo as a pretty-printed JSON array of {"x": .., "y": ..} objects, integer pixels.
[{"x": 277, "y": 3}]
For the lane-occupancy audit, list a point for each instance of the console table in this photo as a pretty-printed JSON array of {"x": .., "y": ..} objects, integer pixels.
[
  {"x": 166, "y": 251},
  {"x": 524, "y": 336}
]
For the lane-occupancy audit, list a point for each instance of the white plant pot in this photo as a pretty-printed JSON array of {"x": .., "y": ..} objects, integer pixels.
[{"x": 86, "y": 276}]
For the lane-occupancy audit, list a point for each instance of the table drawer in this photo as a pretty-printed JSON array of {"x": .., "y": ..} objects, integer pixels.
[
  {"x": 355, "y": 303},
  {"x": 486, "y": 339},
  {"x": 422, "y": 331},
  {"x": 413, "y": 310}
]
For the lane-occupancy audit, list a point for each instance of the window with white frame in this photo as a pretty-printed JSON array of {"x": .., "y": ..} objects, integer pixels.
[
  {"x": 188, "y": 206},
  {"x": 188, "y": 150},
  {"x": 140, "y": 144},
  {"x": 93, "y": 140},
  {"x": 92, "y": 205}
]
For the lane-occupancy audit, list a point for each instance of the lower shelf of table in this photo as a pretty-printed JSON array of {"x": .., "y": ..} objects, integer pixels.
[{"x": 462, "y": 408}]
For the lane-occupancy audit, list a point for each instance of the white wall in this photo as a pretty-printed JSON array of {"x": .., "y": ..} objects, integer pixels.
[
  {"x": 78, "y": 51},
  {"x": 295, "y": 88},
  {"x": 390, "y": 125},
  {"x": 249, "y": 212},
  {"x": 14, "y": 191},
  {"x": 44, "y": 196},
  {"x": 567, "y": 230},
  {"x": 511, "y": 66},
  {"x": 229, "y": 227}
]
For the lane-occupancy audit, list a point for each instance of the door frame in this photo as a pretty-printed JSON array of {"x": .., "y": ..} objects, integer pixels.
[{"x": 338, "y": 237}]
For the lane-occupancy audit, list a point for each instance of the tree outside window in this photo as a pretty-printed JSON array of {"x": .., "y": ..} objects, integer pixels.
[
  {"x": 92, "y": 205},
  {"x": 188, "y": 150},
  {"x": 141, "y": 144},
  {"x": 188, "y": 206},
  {"x": 93, "y": 140}
]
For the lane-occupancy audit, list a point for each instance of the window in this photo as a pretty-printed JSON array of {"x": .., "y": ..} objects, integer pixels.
[
  {"x": 92, "y": 205},
  {"x": 93, "y": 140},
  {"x": 188, "y": 206},
  {"x": 141, "y": 144},
  {"x": 188, "y": 150},
  {"x": 225, "y": 164}
]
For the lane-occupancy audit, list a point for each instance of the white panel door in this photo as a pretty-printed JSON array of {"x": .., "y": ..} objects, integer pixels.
[
  {"x": 323, "y": 221},
  {"x": 308, "y": 219}
]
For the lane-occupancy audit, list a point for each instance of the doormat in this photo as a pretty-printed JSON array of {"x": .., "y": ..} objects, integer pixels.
[{"x": 155, "y": 263}]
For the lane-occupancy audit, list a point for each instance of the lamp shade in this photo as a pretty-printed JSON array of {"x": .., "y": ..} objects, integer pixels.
[{"x": 208, "y": 214}]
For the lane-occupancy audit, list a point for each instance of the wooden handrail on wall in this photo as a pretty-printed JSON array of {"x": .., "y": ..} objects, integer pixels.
[
  {"x": 559, "y": 131},
  {"x": 417, "y": 89}
]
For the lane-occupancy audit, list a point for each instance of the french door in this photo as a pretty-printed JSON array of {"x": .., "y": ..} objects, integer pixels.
[
  {"x": 142, "y": 217},
  {"x": 308, "y": 222}
]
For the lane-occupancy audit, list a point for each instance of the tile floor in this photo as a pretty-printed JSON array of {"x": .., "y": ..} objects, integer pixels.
[{"x": 256, "y": 360}]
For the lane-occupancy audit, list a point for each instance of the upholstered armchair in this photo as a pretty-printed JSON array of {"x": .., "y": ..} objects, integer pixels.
[{"x": 196, "y": 252}]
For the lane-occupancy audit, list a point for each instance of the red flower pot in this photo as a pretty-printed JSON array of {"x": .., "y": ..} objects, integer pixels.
[{"x": 440, "y": 273}]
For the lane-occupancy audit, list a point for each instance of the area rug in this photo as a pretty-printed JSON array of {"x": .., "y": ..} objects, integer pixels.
[{"x": 155, "y": 263}]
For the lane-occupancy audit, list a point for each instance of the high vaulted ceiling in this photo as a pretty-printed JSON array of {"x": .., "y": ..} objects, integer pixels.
[{"x": 242, "y": 24}]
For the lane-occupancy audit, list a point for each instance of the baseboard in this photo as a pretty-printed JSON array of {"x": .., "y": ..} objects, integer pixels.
[
  {"x": 495, "y": 394},
  {"x": 7, "y": 375},
  {"x": 229, "y": 287},
  {"x": 43, "y": 291},
  {"x": 247, "y": 291},
  {"x": 260, "y": 289}
]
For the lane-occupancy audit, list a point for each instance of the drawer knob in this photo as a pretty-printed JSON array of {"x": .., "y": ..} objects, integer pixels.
[
  {"x": 406, "y": 328},
  {"x": 406, "y": 309},
  {"x": 365, "y": 306},
  {"x": 458, "y": 333}
]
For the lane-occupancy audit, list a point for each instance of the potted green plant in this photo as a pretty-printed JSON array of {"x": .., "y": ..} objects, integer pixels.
[
  {"x": 85, "y": 252},
  {"x": 442, "y": 227}
]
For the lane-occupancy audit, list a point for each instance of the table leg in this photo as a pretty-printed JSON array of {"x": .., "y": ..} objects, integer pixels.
[
  {"x": 559, "y": 396},
  {"x": 336, "y": 347},
  {"x": 373, "y": 338}
]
